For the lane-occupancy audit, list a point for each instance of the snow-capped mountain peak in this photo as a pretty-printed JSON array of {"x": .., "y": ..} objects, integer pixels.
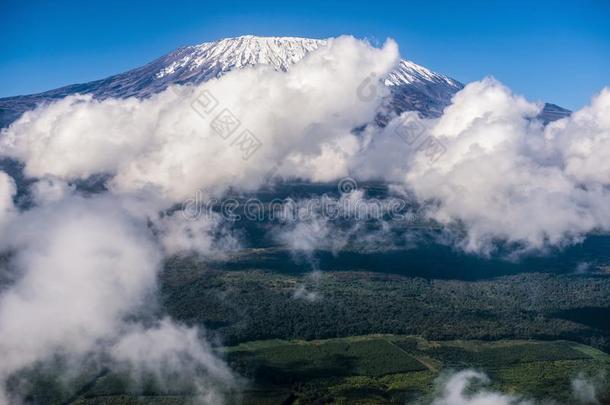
[
  {"x": 416, "y": 87},
  {"x": 235, "y": 53}
]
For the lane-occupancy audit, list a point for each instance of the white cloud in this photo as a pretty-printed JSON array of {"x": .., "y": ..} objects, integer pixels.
[
  {"x": 302, "y": 293},
  {"x": 7, "y": 192},
  {"x": 586, "y": 390},
  {"x": 303, "y": 118},
  {"x": 583, "y": 142},
  {"x": 84, "y": 266},
  {"x": 456, "y": 390},
  {"x": 505, "y": 177},
  {"x": 204, "y": 235},
  {"x": 176, "y": 356}
]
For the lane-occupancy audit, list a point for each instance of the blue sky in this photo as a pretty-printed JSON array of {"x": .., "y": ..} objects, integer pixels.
[{"x": 557, "y": 51}]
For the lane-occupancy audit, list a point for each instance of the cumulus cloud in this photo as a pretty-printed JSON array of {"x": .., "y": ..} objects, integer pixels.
[
  {"x": 84, "y": 266},
  {"x": 207, "y": 235},
  {"x": 176, "y": 356},
  {"x": 303, "y": 118},
  {"x": 503, "y": 176},
  {"x": 456, "y": 389},
  {"x": 583, "y": 142}
]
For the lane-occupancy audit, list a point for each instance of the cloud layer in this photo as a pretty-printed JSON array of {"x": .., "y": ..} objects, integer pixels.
[
  {"x": 503, "y": 176},
  {"x": 86, "y": 265},
  {"x": 303, "y": 118}
]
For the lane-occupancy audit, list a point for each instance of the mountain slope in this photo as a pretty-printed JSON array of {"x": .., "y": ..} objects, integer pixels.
[{"x": 413, "y": 87}]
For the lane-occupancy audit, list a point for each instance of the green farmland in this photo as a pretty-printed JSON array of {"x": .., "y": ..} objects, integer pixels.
[{"x": 378, "y": 369}]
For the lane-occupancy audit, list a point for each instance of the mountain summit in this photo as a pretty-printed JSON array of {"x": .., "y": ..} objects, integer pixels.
[
  {"x": 413, "y": 87},
  {"x": 215, "y": 58}
]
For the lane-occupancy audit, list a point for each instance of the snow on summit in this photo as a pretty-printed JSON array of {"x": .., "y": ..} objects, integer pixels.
[{"x": 248, "y": 50}]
